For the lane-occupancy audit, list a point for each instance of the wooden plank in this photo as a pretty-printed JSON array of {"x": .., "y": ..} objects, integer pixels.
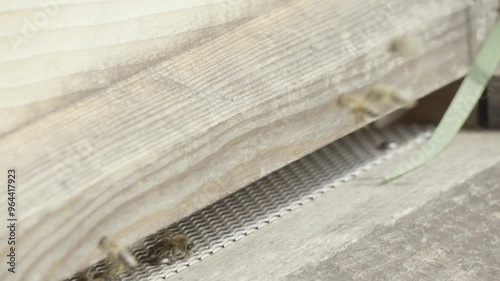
[
  {"x": 453, "y": 237},
  {"x": 57, "y": 49},
  {"x": 437, "y": 221},
  {"x": 152, "y": 148}
]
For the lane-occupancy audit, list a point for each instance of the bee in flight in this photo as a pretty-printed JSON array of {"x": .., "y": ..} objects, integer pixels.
[
  {"x": 119, "y": 259},
  {"x": 407, "y": 46},
  {"x": 384, "y": 94},
  {"x": 358, "y": 105}
]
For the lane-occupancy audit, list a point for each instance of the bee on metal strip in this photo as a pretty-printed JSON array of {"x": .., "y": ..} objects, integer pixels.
[{"x": 170, "y": 249}]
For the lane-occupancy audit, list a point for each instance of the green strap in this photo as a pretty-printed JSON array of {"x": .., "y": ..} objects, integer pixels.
[{"x": 460, "y": 108}]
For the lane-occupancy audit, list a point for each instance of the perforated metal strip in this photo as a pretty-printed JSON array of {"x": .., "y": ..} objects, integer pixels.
[{"x": 257, "y": 205}]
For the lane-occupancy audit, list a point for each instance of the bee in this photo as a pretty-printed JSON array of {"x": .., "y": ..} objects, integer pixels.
[
  {"x": 384, "y": 94},
  {"x": 406, "y": 46},
  {"x": 118, "y": 259},
  {"x": 91, "y": 275},
  {"x": 358, "y": 105},
  {"x": 170, "y": 249}
]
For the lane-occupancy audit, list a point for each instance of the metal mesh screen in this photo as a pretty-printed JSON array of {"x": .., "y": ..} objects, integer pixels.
[{"x": 260, "y": 203}]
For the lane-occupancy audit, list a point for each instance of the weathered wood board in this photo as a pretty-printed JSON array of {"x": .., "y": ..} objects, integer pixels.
[
  {"x": 247, "y": 95},
  {"x": 54, "y": 52}
]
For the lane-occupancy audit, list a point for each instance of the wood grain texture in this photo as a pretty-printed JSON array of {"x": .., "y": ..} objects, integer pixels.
[
  {"x": 60, "y": 48},
  {"x": 149, "y": 149},
  {"x": 437, "y": 222}
]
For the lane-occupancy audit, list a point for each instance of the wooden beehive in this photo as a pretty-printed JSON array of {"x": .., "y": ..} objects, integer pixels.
[{"x": 121, "y": 118}]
